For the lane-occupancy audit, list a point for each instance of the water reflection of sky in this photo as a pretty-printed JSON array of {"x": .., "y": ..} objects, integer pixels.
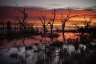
[{"x": 37, "y": 39}]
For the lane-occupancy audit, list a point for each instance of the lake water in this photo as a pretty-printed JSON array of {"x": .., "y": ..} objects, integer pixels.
[
  {"x": 37, "y": 39},
  {"x": 17, "y": 51}
]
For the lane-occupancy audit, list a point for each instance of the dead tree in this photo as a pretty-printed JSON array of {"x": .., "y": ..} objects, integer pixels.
[
  {"x": 2, "y": 24},
  {"x": 87, "y": 22},
  {"x": 64, "y": 20},
  {"x": 23, "y": 18},
  {"x": 8, "y": 26},
  {"x": 51, "y": 23},
  {"x": 43, "y": 20},
  {"x": 32, "y": 27}
]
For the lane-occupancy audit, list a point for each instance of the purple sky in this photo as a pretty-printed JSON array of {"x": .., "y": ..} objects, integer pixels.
[{"x": 51, "y": 3}]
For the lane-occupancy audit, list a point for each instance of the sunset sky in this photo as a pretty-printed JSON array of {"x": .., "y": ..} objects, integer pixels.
[{"x": 79, "y": 7}]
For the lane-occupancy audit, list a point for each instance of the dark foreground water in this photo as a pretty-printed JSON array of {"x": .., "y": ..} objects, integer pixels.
[
  {"x": 37, "y": 54},
  {"x": 38, "y": 50}
]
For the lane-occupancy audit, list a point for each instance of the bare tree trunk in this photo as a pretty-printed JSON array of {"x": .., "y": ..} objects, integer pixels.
[
  {"x": 44, "y": 30},
  {"x": 51, "y": 32},
  {"x": 51, "y": 22},
  {"x": 63, "y": 28}
]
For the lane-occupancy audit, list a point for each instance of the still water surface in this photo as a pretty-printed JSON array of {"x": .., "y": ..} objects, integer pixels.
[
  {"x": 38, "y": 39},
  {"x": 16, "y": 51}
]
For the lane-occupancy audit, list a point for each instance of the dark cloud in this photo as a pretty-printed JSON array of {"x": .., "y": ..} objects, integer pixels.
[
  {"x": 92, "y": 8},
  {"x": 50, "y": 3}
]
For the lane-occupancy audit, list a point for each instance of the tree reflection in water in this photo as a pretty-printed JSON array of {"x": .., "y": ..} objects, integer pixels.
[{"x": 55, "y": 52}]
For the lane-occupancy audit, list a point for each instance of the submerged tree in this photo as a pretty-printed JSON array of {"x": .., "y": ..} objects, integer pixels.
[
  {"x": 87, "y": 22},
  {"x": 32, "y": 27},
  {"x": 51, "y": 23},
  {"x": 8, "y": 26},
  {"x": 2, "y": 24},
  {"x": 43, "y": 20},
  {"x": 64, "y": 20}
]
